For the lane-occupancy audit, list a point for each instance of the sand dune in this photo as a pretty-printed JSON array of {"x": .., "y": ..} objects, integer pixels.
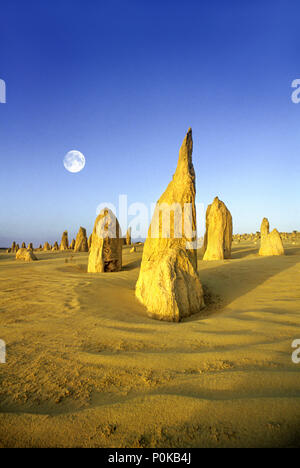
[{"x": 87, "y": 367}]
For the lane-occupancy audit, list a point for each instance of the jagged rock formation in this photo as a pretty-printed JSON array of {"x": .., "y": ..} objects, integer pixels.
[
  {"x": 218, "y": 235},
  {"x": 55, "y": 246},
  {"x": 72, "y": 245},
  {"x": 106, "y": 248},
  {"x": 46, "y": 246},
  {"x": 128, "y": 236},
  {"x": 81, "y": 244},
  {"x": 64, "y": 245},
  {"x": 13, "y": 247},
  {"x": 25, "y": 255},
  {"x": 23, "y": 246},
  {"x": 293, "y": 237},
  {"x": 30, "y": 246},
  {"x": 168, "y": 283},
  {"x": 271, "y": 243}
]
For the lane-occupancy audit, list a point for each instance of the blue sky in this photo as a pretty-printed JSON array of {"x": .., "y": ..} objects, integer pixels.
[{"x": 122, "y": 81}]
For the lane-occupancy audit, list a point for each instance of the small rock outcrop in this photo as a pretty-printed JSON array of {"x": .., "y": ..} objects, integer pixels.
[
  {"x": 64, "y": 245},
  {"x": 271, "y": 243},
  {"x": 25, "y": 255},
  {"x": 218, "y": 235},
  {"x": 168, "y": 283},
  {"x": 106, "y": 248},
  {"x": 46, "y": 246},
  {"x": 81, "y": 244}
]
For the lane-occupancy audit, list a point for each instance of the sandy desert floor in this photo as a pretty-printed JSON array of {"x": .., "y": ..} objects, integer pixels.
[{"x": 86, "y": 367}]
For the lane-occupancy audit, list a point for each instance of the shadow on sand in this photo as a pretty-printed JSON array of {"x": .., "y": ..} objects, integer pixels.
[
  {"x": 132, "y": 265},
  {"x": 228, "y": 280}
]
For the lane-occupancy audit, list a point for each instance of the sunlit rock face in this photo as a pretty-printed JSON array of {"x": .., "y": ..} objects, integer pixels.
[
  {"x": 46, "y": 246},
  {"x": 218, "y": 235},
  {"x": 25, "y": 255},
  {"x": 64, "y": 245},
  {"x": 271, "y": 243},
  {"x": 168, "y": 283},
  {"x": 81, "y": 243},
  {"x": 106, "y": 246}
]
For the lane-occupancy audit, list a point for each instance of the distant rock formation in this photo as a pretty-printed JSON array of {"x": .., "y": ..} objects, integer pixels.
[
  {"x": 106, "y": 248},
  {"x": 81, "y": 244},
  {"x": 128, "y": 236},
  {"x": 13, "y": 247},
  {"x": 168, "y": 283},
  {"x": 218, "y": 235},
  {"x": 64, "y": 245},
  {"x": 30, "y": 246},
  {"x": 55, "y": 246},
  {"x": 25, "y": 255},
  {"x": 271, "y": 243},
  {"x": 46, "y": 246},
  {"x": 17, "y": 247},
  {"x": 72, "y": 245},
  {"x": 23, "y": 246},
  {"x": 133, "y": 249}
]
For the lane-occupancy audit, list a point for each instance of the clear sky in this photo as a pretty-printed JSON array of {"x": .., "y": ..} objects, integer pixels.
[{"x": 122, "y": 81}]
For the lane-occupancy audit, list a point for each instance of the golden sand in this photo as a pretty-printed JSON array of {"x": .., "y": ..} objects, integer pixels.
[{"x": 87, "y": 367}]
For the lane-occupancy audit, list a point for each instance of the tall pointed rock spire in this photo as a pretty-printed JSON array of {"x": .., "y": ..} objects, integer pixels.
[{"x": 168, "y": 283}]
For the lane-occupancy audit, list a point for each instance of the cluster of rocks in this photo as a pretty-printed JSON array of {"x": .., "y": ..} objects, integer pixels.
[
  {"x": 15, "y": 247},
  {"x": 80, "y": 245},
  {"x": 292, "y": 237},
  {"x": 237, "y": 238},
  {"x": 168, "y": 284},
  {"x": 23, "y": 253},
  {"x": 285, "y": 236},
  {"x": 271, "y": 242}
]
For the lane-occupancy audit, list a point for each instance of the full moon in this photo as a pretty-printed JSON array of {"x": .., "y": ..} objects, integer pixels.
[{"x": 74, "y": 161}]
